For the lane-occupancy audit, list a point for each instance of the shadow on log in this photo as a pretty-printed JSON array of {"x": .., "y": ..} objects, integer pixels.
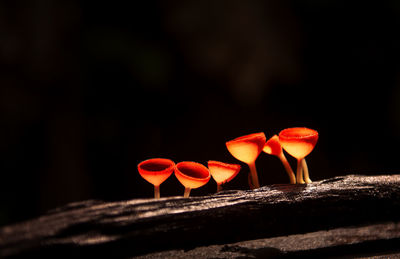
[{"x": 141, "y": 226}]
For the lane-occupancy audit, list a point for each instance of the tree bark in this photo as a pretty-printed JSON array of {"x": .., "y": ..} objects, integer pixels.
[{"x": 140, "y": 226}]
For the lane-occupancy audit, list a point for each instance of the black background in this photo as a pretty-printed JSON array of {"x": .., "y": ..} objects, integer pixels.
[{"x": 90, "y": 89}]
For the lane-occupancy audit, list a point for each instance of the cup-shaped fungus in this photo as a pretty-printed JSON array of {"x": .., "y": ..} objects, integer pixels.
[
  {"x": 299, "y": 142},
  {"x": 274, "y": 147},
  {"x": 222, "y": 172},
  {"x": 156, "y": 171},
  {"x": 246, "y": 149},
  {"x": 192, "y": 175}
]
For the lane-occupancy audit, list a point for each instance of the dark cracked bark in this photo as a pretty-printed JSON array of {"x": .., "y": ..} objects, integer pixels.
[{"x": 135, "y": 227}]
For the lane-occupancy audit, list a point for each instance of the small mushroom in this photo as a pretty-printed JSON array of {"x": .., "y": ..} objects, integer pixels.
[
  {"x": 222, "y": 172},
  {"x": 156, "y": 171},
  {"x": 246, "y": 149},
  {"x": 299, "y": 142},
  {"x": 274, "y": 147},
  {"x": 191, "y": 175}
]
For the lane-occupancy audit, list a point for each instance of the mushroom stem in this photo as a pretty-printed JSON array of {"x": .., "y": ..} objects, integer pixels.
[
  {"x": 156, "y": 191},
  {"x": 187, "y": 192},
  {"x": 299, "y": 172},
  {"x": 288, "y": 168},
  {"x": 219, "y": 187},
  {"x": 305, "y": 171},
  {"x": 250, "y": 182},
  {"x": 254, "y": 176}
]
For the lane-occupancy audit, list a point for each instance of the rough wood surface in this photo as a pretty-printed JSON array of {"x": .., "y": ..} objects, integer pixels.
[
  {"x": 135, "y": 227},
  {"x": 377, "y": 241}
]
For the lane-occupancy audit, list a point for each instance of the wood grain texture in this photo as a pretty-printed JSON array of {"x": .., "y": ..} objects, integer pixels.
[
  {"x": 377, "y": 241},
  {"x": 140, "y": 226}
]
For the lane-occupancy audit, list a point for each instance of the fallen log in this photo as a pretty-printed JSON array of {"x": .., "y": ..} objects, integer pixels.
[
  {"x": 136, "y": 227},
  {"x": 377, "y": 241}
]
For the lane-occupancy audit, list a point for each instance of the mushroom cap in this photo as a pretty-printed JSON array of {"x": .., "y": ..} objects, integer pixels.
[
  {"x": 191, "y": 174},
  {"x": 247, "y": 148},
  {"x": 298, "y": 142},
  {"x": 156, "y": 170},
  {"x": 273, "y": 146},
  {"x": 223, "y": 172}
]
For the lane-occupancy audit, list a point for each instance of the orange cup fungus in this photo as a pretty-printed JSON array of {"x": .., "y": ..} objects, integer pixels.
[
  {"x": 191, "y": 175},
  {"x": 274, "y": 147},
  {"x": 156, "y": 171},
  {"x": 222, "y": 172},
  {"x": 299, "y": 142},
  {"x": 246, "y": 149}
]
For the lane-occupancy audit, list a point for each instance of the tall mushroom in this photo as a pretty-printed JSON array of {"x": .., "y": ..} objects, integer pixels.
[
  {"x": 299, "y": 142},
  {"x": 246, "y": 149},
  {"x": 274, "y": 147}
]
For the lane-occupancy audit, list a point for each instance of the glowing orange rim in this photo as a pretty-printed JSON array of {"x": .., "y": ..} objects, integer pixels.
[
  {"x": 260, "y": 136},
  {"x": 156, "y": 166},
  {"x": 297, "y": 133},
  {"x": 193, "y": 166},
  {"x": 232, "y": 167}
]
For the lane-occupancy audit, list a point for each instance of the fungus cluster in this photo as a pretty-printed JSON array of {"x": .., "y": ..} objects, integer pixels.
[
  {"x": 190, "y": 174},
  {"x": 298, "y": 142}
]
